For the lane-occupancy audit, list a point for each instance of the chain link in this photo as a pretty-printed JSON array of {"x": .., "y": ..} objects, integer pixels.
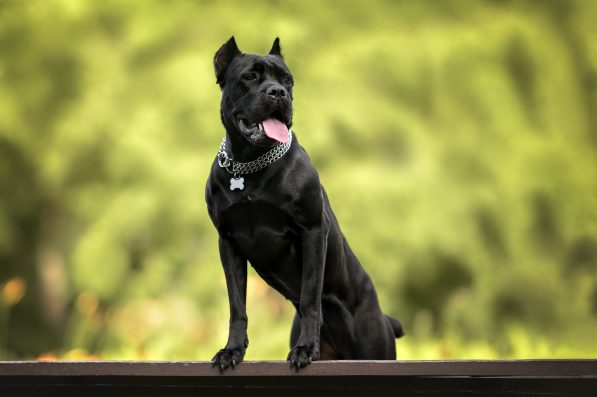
[{"x": 258, "y": 164}]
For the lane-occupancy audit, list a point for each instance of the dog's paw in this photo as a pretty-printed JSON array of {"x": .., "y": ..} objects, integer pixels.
[
  {"x": 227, "y": 358},
  {"x": 301, "y": 356}
]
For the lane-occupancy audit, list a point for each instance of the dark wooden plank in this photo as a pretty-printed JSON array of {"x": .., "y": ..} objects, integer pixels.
[
  {"x": 495, "y": 368},
  {"x": 332, "y": 378}
]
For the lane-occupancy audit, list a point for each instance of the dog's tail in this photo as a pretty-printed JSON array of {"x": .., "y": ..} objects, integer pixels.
[{"x": 396, "y": 327}]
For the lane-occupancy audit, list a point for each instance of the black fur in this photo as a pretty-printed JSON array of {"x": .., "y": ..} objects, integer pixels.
[{"x": 282, "y": 223}]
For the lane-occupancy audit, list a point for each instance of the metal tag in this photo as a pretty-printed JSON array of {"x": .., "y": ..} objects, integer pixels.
[{"x": 237, "y": 183}]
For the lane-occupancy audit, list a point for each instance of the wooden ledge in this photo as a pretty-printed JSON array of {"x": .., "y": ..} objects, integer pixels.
[
  {"x": 501, "y": 368},
  {"x": 322, "y": 378}
]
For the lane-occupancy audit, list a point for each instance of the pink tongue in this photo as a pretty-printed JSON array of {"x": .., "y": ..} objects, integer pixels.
[{"x": 275, "y": 129}]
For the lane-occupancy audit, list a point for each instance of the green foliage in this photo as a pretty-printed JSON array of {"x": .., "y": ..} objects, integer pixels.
[{"x": 457, "y": 141}]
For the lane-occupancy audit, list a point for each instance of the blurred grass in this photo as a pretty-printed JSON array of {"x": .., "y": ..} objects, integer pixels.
[{"x": 457, "y": 141}]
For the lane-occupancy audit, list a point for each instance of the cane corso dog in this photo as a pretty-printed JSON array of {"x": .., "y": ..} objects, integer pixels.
[{"x": 269, "y": 208}]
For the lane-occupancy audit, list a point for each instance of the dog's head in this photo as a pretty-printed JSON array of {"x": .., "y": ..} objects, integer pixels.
[{"x": 256, "y": 93}]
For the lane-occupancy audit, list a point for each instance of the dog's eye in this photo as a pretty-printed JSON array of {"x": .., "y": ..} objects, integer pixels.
[
  {"x": 287, "y": 80},
  {"x": 250, "y": 76}
]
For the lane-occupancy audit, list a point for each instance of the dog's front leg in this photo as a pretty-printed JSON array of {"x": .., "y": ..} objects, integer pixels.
[
  {"x": 314, "y": 246},
  {"x": 235, "y": 270}
]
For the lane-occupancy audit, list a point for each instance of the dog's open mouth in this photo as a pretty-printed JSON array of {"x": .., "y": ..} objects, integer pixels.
[{"x": 272, "y": 127}]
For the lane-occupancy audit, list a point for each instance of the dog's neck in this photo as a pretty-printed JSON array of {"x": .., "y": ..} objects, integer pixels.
[{"x": 240, "y": 150}]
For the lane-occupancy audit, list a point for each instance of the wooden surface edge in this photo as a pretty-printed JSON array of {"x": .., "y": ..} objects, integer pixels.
[{"x": 469, "y": 368}]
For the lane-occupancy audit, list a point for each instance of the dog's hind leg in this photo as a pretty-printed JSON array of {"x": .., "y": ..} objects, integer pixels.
[
  {"x": 374, "y": 332},
  {"x": 338, "y": 336}
]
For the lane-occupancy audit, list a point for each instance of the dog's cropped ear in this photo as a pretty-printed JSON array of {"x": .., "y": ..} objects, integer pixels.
[
  {"x": 224, "y": 57},
  {"x": 276, "y": 50}
]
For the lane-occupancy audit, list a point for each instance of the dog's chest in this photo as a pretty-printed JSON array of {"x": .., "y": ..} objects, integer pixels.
[{"x": 262, "y": 231}]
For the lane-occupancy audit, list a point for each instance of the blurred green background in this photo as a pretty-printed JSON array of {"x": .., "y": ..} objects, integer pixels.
[{"x": 457, "y": 141}]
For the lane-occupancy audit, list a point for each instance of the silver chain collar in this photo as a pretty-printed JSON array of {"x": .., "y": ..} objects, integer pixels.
[{"x": 260, "y": 163}]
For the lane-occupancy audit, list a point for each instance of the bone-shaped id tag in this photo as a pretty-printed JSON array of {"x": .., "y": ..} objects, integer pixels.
[{"x": 237, "y": 183}]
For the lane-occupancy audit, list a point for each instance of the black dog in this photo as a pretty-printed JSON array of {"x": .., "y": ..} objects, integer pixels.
[{"x": 265, "y": 199}]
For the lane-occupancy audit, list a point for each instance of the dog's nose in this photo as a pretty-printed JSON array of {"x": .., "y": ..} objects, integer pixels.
[{"x": 276, "y": 92}]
